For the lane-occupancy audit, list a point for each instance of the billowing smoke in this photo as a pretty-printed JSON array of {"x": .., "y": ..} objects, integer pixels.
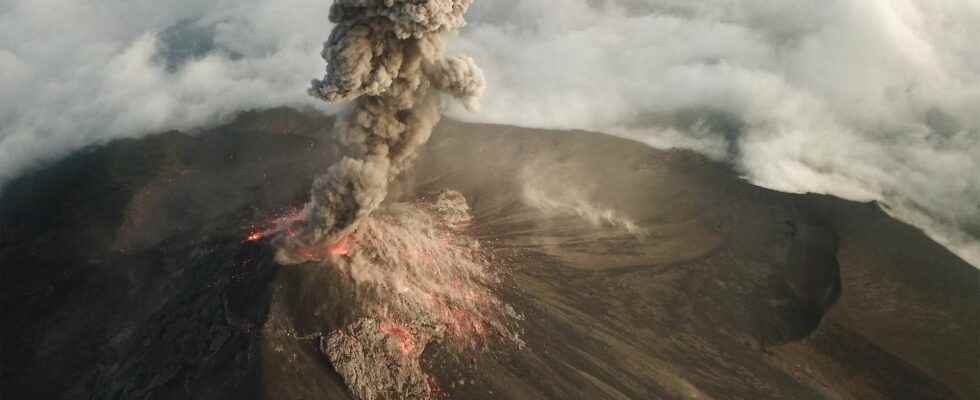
[{"x": 388, "y": 57}]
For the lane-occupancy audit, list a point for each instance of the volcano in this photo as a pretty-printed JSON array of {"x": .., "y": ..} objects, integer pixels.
[{"x": 139, "y": 269}]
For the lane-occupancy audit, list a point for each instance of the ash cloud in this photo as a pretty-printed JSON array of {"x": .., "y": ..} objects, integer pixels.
[
  {"x": 388, "y": 59},
  {"x": 867, "y": 100}
]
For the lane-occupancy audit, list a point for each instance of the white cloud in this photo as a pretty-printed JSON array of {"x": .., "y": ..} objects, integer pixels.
[
  {"x": 868, "y": 100},
  {"x": 872, "y": 99},
  {"x": 76, "y": 73}
]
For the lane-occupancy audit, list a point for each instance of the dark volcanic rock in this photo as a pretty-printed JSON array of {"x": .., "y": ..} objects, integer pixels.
[
  {"x": 640, "y": 274},
  {"x": 124, "y": 274},
  {"x": 812, "y": 271}
]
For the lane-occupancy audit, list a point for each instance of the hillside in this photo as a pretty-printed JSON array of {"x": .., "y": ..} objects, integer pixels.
[{"x": 639, "y": 273}]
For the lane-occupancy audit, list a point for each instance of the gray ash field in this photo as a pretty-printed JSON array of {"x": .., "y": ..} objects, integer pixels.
[{"x": 637, "y": 274}]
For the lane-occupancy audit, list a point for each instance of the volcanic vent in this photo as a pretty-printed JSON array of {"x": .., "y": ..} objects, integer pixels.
[
  {"x": 408, "y": 272},
  {"x": 388, "y": 59},
  {"x": 412, "y": 274}
]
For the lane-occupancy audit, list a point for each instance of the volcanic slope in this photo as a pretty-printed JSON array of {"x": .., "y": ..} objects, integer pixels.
[{"x": 639, "y": 274}]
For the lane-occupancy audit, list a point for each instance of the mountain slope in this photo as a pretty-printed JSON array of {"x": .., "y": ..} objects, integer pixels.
[{"x": 640, "y": 274}]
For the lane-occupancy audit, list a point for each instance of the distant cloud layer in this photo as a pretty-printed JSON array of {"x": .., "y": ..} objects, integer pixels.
[
  {"x": 868, "y": 100},
  {"x": 73, "y": 72}
]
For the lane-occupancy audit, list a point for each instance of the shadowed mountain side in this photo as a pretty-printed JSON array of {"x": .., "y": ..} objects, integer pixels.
[
  {"x": 640, "y": 274},
  {"x": 123, "y": 270},
  {"x": 911, "y": 297}
]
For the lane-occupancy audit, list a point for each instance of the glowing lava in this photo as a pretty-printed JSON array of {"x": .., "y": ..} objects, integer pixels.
[
  {"x": 406, "y": 342},
  {"x": 254, "y": 236},
  {"x": 279, "y": 223},
  {"x": 341, "y": 248}
]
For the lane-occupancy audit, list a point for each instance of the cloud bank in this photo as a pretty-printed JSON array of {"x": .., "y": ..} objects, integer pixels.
[
  {"x": 74, "y": 73},
  {"x": 867, "y": 100}
]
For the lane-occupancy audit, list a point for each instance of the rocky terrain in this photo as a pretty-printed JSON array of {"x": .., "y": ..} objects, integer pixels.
[{"x": 638, "y": 273}]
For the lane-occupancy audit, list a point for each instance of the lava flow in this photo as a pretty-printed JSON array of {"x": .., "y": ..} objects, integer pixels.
[
  {"x": 287, "y": 224},
  {"x": 417, "y": 277},
  {"x": 284, "y": 223},
  {"x": 255, "y": 236},
  {"x": 341, "y": 248}
]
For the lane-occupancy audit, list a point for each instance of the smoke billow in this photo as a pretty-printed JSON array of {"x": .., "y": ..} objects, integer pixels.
[{"x": 388, "y": 58}]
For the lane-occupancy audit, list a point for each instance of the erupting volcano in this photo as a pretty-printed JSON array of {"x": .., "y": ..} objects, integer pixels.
[
  {"x": 412, "y": 273},
  {"x": 374, "y": 251},
  {"x": 388, "y": 57}
]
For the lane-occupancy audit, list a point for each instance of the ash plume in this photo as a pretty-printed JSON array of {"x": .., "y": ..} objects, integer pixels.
[{"x": 388, "y": 58}]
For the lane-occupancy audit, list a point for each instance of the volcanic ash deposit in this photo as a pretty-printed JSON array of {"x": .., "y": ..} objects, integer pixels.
[{"x": 411, "y": 275}]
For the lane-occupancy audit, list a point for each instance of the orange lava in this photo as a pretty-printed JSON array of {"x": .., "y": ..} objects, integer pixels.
[
  {"x": 406, "y": 342},
  {"x": 321, "y": 251},
  {"x": 255, "y": 236},
  {"x": 341, "y": 248},
  {"x": 276, "y": 225}
]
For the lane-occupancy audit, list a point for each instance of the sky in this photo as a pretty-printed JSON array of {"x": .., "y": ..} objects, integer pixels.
[{"x": 862, "y": 99}]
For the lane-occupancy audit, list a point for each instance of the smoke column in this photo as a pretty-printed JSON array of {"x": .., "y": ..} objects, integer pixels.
[{"x": 387, "y": 56}]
